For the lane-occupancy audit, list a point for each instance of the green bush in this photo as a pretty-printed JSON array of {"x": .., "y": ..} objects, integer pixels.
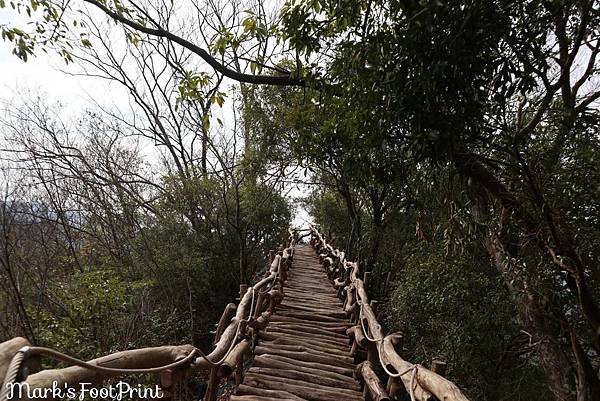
[{"x": 457, "y": 309}]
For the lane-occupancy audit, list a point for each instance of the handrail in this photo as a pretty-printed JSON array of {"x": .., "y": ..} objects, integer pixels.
[
  {"x": 235, "y": 337},
  {"x": 420, "y": 383}
]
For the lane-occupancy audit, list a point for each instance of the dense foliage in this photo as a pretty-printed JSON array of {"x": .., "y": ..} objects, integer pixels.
[
  {"x": 101, "y": 253},
  {"x": 454, "y": 150}
]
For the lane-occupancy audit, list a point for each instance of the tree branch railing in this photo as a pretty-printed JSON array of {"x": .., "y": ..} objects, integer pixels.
[
  {"x": 235, "y": 337},
  {"x": 367, "y": 335}
]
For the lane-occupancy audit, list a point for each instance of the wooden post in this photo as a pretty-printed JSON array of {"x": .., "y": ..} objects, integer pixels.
[
  {"x": 438, "y": 367},
  {"x": 234, "y": 361},
  {"x": 239, "y": 370},
  {"x": 213, "y": 385},
  {"x": 283, "y": 268},
  {"x": 258, "y": 308},
  {"x": 7, "y": 350},
  {"x": 243, "y": 289},
  {"x": 354, "y": 313},
  {"x": 226, "y": 317},
  {"x": 372, "y": 354},
  {"x": 367, "y": 393},
  {"x": 374, "y": 306},
  {"x": 354, "y": 350},
  {"x": 373, "y": 390},
  {"x": 171, "y": 381},
  {"x": 395, "y": 387},
  {"x": 374, "y": 303},
  {"x": 166, "y": 379},
  {"x": 366, "y": 279}
]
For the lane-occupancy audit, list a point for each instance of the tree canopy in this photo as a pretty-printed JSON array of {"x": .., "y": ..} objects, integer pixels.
[{"x": 451, "y": 146}]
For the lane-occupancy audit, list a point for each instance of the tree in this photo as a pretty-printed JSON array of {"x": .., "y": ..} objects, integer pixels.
[
  {"x": 480, "y": 88},
  {"x": 56, "y": 20},
  {"x": 445, "y": 80}
]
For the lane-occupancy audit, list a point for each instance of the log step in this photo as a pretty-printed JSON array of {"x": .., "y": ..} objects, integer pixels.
[
  {"x": 308, "y": 391},
  {"x": 303, "y": 354},
  {"x": 258, "y": 398}
]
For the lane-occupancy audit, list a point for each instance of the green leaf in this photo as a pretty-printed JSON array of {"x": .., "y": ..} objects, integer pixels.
[
  {"x": 205, "y": 123},
  {"x": 317, "y": 7},
  {"x": 249, "y": 24},
  {"x": 133, "y": 38}
]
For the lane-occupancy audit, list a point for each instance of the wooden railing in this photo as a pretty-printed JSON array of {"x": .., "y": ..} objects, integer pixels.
[
  {"x": 367, "y": 335},
  {"x": 235, "y": 335}
]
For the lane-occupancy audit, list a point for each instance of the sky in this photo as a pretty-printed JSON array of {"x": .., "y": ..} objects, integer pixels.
[{"x": 49, "y": 76}]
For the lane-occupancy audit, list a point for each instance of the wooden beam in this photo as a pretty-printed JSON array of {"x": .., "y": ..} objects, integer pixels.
[
  {"x": 134, "y": 359},
  {"x": 365, "y": 372}
]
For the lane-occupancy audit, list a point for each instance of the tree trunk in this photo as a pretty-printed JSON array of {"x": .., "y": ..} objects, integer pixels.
[
  {"x": 549, "y": 351},
  {"x": 532, "y": 227},
  {"x": 356, "y": 230},
  {"x": 204, "y": 152},
  {"x": 376, "y": 230},
  {"x": 242, "y": 257}
]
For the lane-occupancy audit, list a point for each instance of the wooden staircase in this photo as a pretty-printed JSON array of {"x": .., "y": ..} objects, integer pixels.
[
  {"x": 303, "y": 354},
  {"x": 300, "y": 331}
]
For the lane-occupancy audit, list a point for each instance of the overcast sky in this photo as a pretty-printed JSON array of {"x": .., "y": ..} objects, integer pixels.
[{"x": 44, "y": 73}]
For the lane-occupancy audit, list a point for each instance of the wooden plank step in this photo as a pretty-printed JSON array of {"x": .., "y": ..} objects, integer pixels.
[
  {"x": 304, "y": 390},
  {"x": 282, "y": 338},
  {"x": 331, "y": 360},
  {"x": 310, "y": 316},
  {"x": 265, "y": 361},
  {"x": 243, "y": 389},
  {"x": 307, "y": 377},
  {"x": 308, "y": 328},
  {"x": 313, "y": 365},
  {"x": 287, "y": 319},
  {"x": 298, "y": 382},
  {"x": 299, "y": 348},
  {"x": 331, "y": 338},
  {"x": 258, "y": 398},
  {"x": 330, "y": 313},
  {"x": 303, "y": 354}
]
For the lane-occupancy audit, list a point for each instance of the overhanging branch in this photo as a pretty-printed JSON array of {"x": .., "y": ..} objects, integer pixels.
[{"x": 285, "y": 80}]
